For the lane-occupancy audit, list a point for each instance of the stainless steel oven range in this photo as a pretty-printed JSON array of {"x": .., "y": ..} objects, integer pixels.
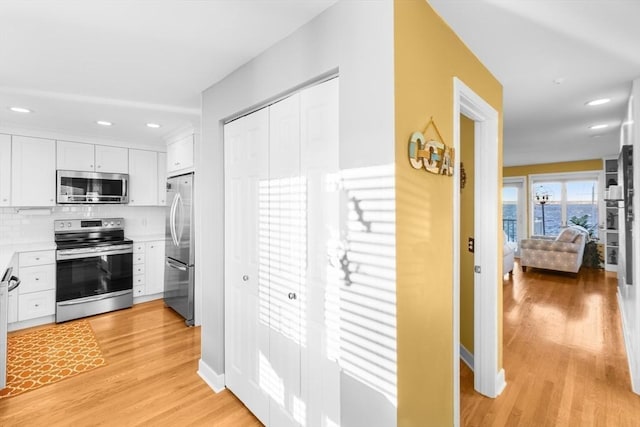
[{"x": 94, "y": 263}]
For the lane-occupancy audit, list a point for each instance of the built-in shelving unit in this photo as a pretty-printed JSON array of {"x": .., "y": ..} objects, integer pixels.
[{"x": 611, "y": 219}]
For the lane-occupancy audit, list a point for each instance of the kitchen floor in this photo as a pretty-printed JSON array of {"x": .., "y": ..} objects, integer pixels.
[{"x": 150, "y": 379}]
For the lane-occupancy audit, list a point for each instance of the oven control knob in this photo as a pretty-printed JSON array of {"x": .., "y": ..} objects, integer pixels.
[
  {"x": 68, "y": 224},
  {"x": 118, "y": 223},
  {"x": 62, "y": 225},
  {"x": 111, "y": 223}
]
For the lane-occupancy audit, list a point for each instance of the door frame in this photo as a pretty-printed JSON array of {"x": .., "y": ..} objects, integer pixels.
[
  {"x": 523, "y": 205},
  {"x": 488, "y": 378}
]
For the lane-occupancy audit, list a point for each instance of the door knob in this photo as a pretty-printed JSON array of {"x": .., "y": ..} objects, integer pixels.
[
  {"x": 245, "y": 278},
  {"x": 292, "y": 295}
]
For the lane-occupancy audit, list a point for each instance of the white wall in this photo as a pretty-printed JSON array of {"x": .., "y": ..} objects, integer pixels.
[
  {"x": 353, "y": 39},
  {"x": 629, "y": 295}
]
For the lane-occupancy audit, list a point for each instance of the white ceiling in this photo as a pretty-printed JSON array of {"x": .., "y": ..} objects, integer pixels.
[
  {"x": 594, "y": 45},
  {"x": 129, "y": 62}
]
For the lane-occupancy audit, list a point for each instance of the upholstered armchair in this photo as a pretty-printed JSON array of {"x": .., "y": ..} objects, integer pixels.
[
  {"x": 564, "y": 253},
  {"x": 508, "y": 255}
]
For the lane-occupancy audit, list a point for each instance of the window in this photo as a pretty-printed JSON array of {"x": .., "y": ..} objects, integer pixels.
[{"x": 559, "y": 198}]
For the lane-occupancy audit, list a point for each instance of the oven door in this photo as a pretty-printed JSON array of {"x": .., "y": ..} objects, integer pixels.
[{"x": 89, "y": 276}]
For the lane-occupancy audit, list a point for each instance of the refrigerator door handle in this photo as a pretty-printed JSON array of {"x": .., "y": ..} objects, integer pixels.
[
  {"x": 180, "y": 225},
  {"x": 172, "y": 219},
  {"x": 176, "y": 266}
]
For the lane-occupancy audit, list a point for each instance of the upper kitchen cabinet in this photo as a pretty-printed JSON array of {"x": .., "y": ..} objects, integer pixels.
[
  {"x": 79, "y": 156},
  {"x": 33, "y": 171},
  {"x": 162, "y": 179},
  {"x": 112, "y": 159},
  {"x": 5, "y": 170},
  {"x": 143, "y": 178},
  {"x": 180, "y": 155}
]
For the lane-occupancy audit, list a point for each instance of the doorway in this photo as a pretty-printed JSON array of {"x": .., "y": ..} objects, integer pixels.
[
  {"x": 514, "y": 210},
  {"x": 488, "y": 376}
]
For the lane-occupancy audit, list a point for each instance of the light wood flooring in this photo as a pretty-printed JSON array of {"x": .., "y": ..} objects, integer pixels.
[
  {"x": 564, "y": 356},
  {"x": 150, "y": 379}
]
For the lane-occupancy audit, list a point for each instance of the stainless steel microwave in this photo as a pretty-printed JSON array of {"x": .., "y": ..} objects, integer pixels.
[{"x": 76, "y": 187}]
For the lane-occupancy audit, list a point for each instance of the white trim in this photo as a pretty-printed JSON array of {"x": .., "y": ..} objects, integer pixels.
[
  {"x": 633, "y": 373},
  {"x": 466, "y": 356},
  {"x": 520, "y": 182},
  {"x": 487, "y": 378},
  {"x": 214, "y": 380}
]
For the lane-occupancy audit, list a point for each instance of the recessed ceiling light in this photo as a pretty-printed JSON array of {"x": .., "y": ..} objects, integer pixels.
[
  {"x": 104, "y": 123},
  {"x": 597, "y": 135},
  {"x": 595, "y": 127},
  {"x": 153, "y": 125},
  {"x": 19, "y": 110},
  {"x": 598, "y": 102}
]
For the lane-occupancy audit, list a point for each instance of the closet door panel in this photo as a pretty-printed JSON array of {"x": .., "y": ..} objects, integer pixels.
[
  {"x": 246, "y": 303},
  {"x": 319, "y": 154},
  {"x": 286, "y": 260}
]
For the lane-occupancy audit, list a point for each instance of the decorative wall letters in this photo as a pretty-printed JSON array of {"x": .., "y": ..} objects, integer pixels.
[{"x": 432, "y": 155}]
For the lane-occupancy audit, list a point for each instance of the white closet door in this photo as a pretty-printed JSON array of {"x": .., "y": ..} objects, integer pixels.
[
  {"x": 319, "y": 137},
  {"x": 247, "y": 371},
  {"x": 287, "y": 262}
]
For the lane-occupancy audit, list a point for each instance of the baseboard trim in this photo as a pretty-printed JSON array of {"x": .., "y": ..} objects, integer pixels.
[
  {"x": 501, "y": 383},
  {"x": 628, "y": 346},
  {"x": 466, "y": 356},
  {"x": 214, "y": 380}
]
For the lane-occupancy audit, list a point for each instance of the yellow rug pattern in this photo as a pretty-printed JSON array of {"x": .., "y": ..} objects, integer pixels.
[{"x": 48, "y": 355}]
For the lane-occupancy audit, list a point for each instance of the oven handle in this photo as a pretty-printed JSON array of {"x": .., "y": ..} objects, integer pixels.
[
  {"x": 96, "y": 298},
  {"x": 176, "y": 266},
  {"x": 61, "y": 256}
]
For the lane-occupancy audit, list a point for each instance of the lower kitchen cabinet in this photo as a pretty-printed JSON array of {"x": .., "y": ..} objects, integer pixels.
[
  {"x": 148, "y": 268},
  {"x": 36, "y": 295}
]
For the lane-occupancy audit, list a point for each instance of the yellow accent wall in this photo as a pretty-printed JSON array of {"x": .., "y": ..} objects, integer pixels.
[
  {"x": 579, "y": 166},
  {"x": 467, "y": 201},
  {"x": 428, "y": 55}
]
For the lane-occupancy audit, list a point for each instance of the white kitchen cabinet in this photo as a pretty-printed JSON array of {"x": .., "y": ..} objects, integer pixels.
[
  {"x": 5, "y": 170},
  {"x": 148, "y": 268},
  {"x": 36, "y": 295},
  {"x": 154, "y": 267},
  {"x": 143, "y": 178},
  {"x": 111, "y": 159},
  {"x": 75, "y": 156},
  {"x": 162, "y": 179},
  {"x": 33, "y": 171},
  {"x": 180, "y": 155},
  {"x": 79, "y": 156}
]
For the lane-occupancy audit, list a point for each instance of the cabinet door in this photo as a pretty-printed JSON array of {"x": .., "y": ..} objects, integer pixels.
[
  {"x": 33, "y": 171},
  {"x": 112, "y": 159},
  {"x": 5, "y": 170},
  {"x": 143, "y": 178},
  {"x": 154, "y": 267},
  {"x": 180, "y": 154},
  {"x": 247, "y": 370},
  {"x": 75, "y": 156},
  {"x": 162, "y": 179}
]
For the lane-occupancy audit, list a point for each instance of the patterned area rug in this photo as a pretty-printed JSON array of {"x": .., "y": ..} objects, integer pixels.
[{"x": 46, "y": 356}]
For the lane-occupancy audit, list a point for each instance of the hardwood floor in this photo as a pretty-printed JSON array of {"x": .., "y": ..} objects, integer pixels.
[
  {"x": 150, "y": 379},
  {"x": 564, "y": 356}
]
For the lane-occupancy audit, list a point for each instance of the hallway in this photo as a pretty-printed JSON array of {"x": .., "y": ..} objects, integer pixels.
[{"x": 563, "y": 354}]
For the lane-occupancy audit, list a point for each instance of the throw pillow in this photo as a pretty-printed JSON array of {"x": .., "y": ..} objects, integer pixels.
[{"x": 568, "y": 235}]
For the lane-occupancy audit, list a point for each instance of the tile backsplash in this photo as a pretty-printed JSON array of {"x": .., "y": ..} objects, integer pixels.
[{"x": 31, "y": 226}]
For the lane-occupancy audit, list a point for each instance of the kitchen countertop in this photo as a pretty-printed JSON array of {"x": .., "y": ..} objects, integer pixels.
[
  {"x": 7, "y": 251},
  {"x": 146, "y": 237}
]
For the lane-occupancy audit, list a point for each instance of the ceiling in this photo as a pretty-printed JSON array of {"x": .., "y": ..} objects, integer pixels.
[
  {"x": 590, "y": 46},
  {"x": 129, "y": 62},
  {"x": 133, "y": 62}
]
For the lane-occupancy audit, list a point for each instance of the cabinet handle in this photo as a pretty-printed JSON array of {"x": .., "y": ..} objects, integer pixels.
[
  {"x": 4, "y": 200},
  {"x": 37, "y": 259},
  {"x": 176, "y": 163},
  {"x": 37, "y": 305},
  {"x": 245, "y": 278},
  {"x": 37, "y": 278},
  {"x": 99, "y": 166}
]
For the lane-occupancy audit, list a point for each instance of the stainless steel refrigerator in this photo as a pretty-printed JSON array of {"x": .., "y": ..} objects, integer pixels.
[{"x": 179, "y": 267}]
